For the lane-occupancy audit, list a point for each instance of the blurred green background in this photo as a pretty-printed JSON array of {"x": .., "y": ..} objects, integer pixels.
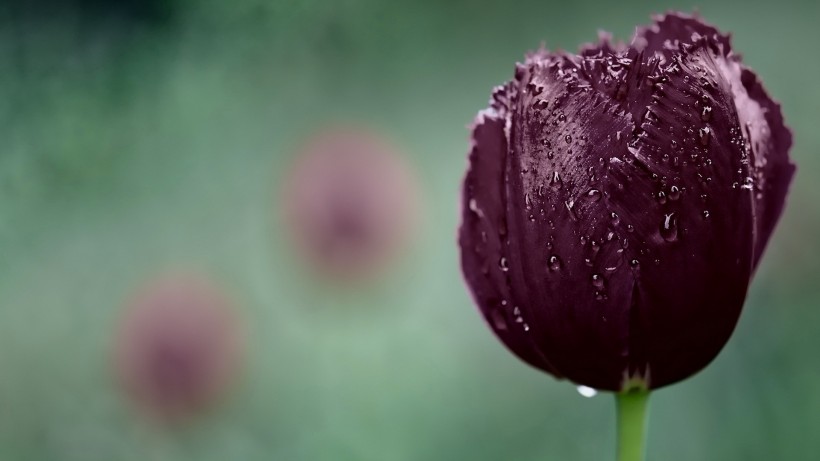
[{"x": 139, "y": 136}]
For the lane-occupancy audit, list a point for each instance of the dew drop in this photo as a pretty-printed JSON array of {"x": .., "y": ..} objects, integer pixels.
[
  {"x": 593, "y": 195},
  {"x": 635, "y": 263},
  {"x": 704, "y": 135},
  {"x": 705, "y": 214},
  {"x": 502, "y": 263},
  {"x": 498, "y": 319},
  {"x": 615, "y": 219},
  {"x": 562, "y": 117},
  {"x": 662, "y": 197},
  {"x": 527, "y": 200},
  {"x": 474, "y": 208},
  {"x": 587, "y": 392},
  {"x": 555, "y": 263},
  {"x": 706, "y": 114},
  {"x": 550, "y": 155},
  {"x": 597, "y": 281},
  {"x": 674, "y": 193},
  {"x": 630, "y": 228},
  {"x": 568, "y": 139},
  {"x": 556, "y": 180},
  {"x": 669, "y": 227},
  {"x": 570, "y": 204}
]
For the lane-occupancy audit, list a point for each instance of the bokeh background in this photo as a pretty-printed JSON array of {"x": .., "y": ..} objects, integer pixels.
[{"x": 138, "y": 136}]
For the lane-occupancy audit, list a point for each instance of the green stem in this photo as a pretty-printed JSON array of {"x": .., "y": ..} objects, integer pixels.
[{"x": 632, "y": 406}]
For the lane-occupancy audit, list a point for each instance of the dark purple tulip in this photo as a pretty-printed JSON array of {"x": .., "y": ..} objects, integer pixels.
[
  {"x": 178, "y": 347},
  {"x": 618, "y": 201}
]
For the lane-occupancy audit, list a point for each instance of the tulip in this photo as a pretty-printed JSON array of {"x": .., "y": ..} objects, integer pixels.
[
  {"x": 178, "y": 347},
  {"x": 350, "y": 203},
  {"x": 618, "y": 202}
]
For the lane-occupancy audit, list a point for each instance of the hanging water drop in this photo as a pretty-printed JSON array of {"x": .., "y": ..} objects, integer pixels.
[{"x": 587, "y": 392}]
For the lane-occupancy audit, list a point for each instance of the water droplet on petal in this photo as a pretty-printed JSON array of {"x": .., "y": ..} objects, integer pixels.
[
  {"x": 674, "y": 193},
  {"x": 662, "y": 197},
  {"x": 704, "y": 135},
  {"x": 597, "y": 281},
  {"x": 568, "y": 139},
  {"x": 556, "y": 180},
  {"x": 555, "y": 263},
  {"x": 502, "y": 263},
  {"x": 705, "y": 214},
  {"x": 669, "y": 227},
  {"x": 706, "y": 114},
  {"x": 475, "y": 209},
  {"x": 593, "y": 195},
  {"x": 615, "y": 218},
  {"x": 498, "y": 319}
]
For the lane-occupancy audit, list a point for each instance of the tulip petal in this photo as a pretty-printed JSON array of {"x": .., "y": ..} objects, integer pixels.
[
  {"x": 768, "y": 142},
  {"x": 672, "y": 31},
  {"x": 483, "y": 233},
  {"x": 767, "y": 138}
]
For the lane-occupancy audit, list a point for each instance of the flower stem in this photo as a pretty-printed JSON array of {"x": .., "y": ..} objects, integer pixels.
[{"x": 631, "y": 409}]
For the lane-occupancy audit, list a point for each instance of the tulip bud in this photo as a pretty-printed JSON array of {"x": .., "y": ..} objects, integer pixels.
[
  {"x": 618, "y": 201},
  {"x": 177, "y": 348}
]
